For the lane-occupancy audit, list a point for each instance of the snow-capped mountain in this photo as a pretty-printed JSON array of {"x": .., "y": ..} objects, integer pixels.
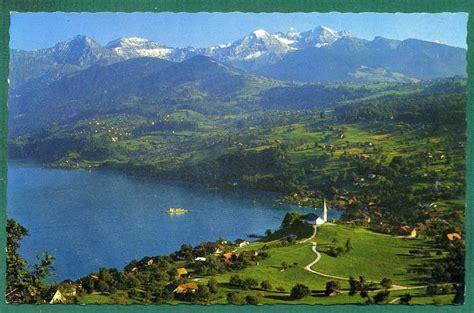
[
  {"x": 318, "y": 55},
  {"x": 132, "y": 47},
  {"x": 257, "y": 44},
  {"x": 316, "y": 38}
]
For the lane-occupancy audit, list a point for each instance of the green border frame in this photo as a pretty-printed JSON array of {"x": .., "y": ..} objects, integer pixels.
[{"x": 389, "y": 6}]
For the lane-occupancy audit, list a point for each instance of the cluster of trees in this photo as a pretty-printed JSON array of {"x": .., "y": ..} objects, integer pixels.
[
  {"x": 336, "y": 251},
  {"x": 439, "y": 110},
  {"x": 25, "y": 283},
  {"x": 451, "y": 269}
]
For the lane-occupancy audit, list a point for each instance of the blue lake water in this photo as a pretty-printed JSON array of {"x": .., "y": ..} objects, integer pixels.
[{"x": 92, "y": 219}]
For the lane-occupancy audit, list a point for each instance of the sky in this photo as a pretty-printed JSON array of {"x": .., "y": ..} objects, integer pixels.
[{"x": 29, "y": 31}]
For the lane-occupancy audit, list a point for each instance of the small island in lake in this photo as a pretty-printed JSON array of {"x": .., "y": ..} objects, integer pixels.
[{"x": 177, "y": 211}]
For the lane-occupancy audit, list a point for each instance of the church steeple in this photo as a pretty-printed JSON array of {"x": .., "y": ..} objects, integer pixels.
[{"x": 325, "y": 211}]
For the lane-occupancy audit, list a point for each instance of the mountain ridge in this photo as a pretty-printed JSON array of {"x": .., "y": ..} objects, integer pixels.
[{"x": 308, "y": 56}]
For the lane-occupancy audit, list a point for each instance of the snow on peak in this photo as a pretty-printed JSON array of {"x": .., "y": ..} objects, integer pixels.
[
  {"x": 260, "y": 33},
  {"x": 326, "y": 29},
  {"x": 126, "y": 42}
]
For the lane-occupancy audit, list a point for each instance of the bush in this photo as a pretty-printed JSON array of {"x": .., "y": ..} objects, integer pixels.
[
  {"x": 249, "y": 283},
  {"x": 348, "y": 247},
  {"x": 432, "y": 290},
  {"x": 251, "y": 300},
  {"x": 235, "y": 280},
  {"x": 232, "y": 298},
  {"x": 202, "y": 294},
  {"x": 299, "y": 291},
  {"x": 336, "y": 251},
  {"x": 266, "y": 285},
  {"x": 132, "y": 293},
  {"x": 213, "y": 285}
]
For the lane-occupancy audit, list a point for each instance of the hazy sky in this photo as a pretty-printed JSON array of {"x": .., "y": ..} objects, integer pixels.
[{"x": 39, "y": 30}]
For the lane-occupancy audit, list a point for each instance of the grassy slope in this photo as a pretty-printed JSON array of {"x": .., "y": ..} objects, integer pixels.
[{"x": 374, "y": 255}]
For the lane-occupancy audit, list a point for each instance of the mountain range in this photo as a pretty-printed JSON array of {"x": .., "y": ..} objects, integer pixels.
[{"x": 318, "y": 55}]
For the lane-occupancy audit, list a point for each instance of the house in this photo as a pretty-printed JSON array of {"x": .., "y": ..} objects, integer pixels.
[
  {"x": 408, "y": 231},
  {"x": 250, "y": 253},
  {"x": 181, "y": 272},
  {"x": 58, "y": 297},
  {"x": 242, "y": 243},
  {"x": 229, "y": 257},
  {"x": 185, "y": 288},
  {"x": 200, "y": 259},
  {"x": 209, "y": 248},
  {"x": 405, "y": 228},
  {"x": 149, "y": 262},
  {"x": 454, "y": 236}
]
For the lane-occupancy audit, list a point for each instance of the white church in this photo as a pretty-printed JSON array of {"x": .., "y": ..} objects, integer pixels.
[{"x": 321, "y": 220}]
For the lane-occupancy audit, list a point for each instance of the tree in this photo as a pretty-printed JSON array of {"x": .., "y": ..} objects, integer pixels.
[
  {"x": 299, "y": 291},
  {"x": 213, "y": 285},
  {"x": 291, "y": 218},
  {"x": 132, "y": 293},
  {"x": 386, "y": 283},
  {"x": 235, "y": 280},
  {"x": 17, "y": 288},
  {"x": 332, "y": 286},
  {"x": 381, "y": 296},
  {"x": 202, "y": 293},
  {"x": 354, "y": 286},
  {"x": 232, "y": 298},
  {"x": 406, "y": 298},
  {"x": 102, "y": 286},
  {"x": 348, "y": 245},
  {"x": 24, "y": 286},
  {"x": 268, "y": 232},
  {"x": 284, "y": 266},
  {"x": 266, "y": 285},
  {"x": 249, "y": 283}
]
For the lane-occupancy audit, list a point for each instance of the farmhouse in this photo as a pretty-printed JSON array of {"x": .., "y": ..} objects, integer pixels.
[
  {"x": 229, "y": 256},
  {"x": 242, "y": 243},
  {"x": 185, "y": 288},
  {"x": 408, "y": 231},
  {"x": 454, "y": 236},
  {"x": 58, "y": 297},
  {"x": 182, "y": 272}
]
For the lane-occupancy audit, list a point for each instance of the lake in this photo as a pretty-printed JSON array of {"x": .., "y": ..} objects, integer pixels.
[{"x": 101, "y": 218}]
